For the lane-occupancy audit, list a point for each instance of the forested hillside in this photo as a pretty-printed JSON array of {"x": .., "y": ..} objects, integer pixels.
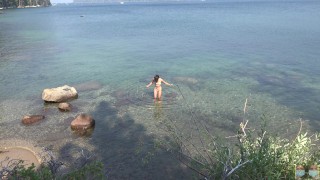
[{"x": 24, "y": 3}]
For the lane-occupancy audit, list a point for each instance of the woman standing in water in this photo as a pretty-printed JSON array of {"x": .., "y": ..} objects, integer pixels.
[{"x": 157, "y": 92}]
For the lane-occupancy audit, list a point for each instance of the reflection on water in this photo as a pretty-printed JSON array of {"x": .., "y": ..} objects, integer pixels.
[{"x": 157, "y": 110}]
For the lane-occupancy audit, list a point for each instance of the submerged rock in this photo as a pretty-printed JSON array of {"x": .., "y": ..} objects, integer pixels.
[
  {"x": 123, "y": 102},
  {"x": 65, "y": 106},
  {"x": 183, "y": 79},
  {"x": 120, "y": 94},
  {"x": 171, "y": 95},
  {"x": 59, "y": 94},
  {"x": 84, "y": 132},
  {"x": 82, "y": 122},
  {"x": 272, "y": 80},
  {"x": 88, "y": 86},
  {"x": 32, "y": 119}
]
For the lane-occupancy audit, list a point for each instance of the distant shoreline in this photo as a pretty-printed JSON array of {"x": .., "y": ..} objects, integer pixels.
[
  {"x": 29, "y": 6},
  {"x": 14, "y": 4},
  {"x": 21, "y": 7}
]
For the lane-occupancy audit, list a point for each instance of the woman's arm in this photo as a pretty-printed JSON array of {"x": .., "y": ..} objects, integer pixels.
[
  {"x": 149, "y": 84},
  {"x": 166, "y": 83}
]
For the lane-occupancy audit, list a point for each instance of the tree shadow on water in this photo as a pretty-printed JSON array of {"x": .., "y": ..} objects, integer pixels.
[
  {"x": 125, "y": 149},
  {"x": 293, "y": 94}
]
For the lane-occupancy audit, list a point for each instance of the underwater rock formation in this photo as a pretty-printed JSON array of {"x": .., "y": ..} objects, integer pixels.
[
  {"x": 183, "y": 79},
  {"x": 65, "y": 106},
  {"x": 27, "y": 120},
  {"x": 88, "y": 86}
]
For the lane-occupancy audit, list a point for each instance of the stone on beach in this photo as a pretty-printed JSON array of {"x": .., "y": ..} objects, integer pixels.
[
  {"x": 82, "y": 122},
  {"x": 32, "y": 119},
  {"x": 59, "y": 94},
  {"x": 65, "y": 106}
]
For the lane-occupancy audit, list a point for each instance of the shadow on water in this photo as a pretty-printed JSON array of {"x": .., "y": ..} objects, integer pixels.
[
  {"x": 125, "y": 149},
  {"x": 292, "y": 93}
]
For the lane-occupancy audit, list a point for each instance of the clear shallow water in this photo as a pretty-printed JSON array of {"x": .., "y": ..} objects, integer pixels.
[{"x": 218, "y": 54}]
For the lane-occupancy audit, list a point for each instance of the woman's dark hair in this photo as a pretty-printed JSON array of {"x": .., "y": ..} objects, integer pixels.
[{"x": 155, "y": 79}]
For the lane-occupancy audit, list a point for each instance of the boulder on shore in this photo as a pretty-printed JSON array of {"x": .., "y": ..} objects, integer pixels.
[
  {"x": 65, "y": 106},
  {"x": 82, "y": 122},
  {"x": 32, "y": 119},
  {"x": 59, "y": 94}
]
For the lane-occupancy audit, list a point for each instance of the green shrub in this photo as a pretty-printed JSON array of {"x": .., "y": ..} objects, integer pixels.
[
  {"x": 272, "y": 157},
  {"x": 250, "y": 155},
  {"x": 92, "y": 170}
]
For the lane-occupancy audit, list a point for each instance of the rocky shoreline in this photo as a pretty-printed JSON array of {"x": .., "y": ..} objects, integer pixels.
[
  {"x": 63, "y": 95},
  {"x": 12, "y": 150}
]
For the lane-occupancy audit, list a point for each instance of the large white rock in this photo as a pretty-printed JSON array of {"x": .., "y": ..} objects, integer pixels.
[{"x": 59, "y": 94}]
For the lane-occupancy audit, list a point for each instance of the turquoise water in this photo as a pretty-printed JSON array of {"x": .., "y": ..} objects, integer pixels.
[{"x": 217, "y": 55}]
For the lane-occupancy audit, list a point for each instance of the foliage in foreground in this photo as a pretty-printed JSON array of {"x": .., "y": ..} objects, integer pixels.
[
  {"x": 253, "y": 155},
  {"x": 267, "y": 157},
  {"x": 18, "y": 171}
]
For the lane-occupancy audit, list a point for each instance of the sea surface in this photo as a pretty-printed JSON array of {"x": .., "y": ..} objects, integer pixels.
[{"x": 217, "y": 55}]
